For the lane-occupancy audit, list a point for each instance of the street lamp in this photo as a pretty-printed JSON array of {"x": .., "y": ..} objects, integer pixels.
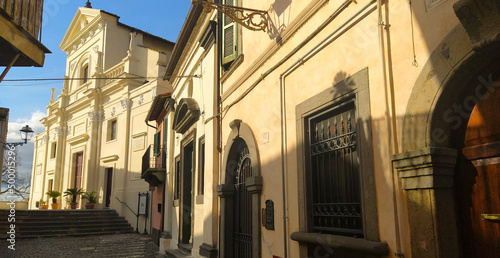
[{"x": 26, "y": 134}]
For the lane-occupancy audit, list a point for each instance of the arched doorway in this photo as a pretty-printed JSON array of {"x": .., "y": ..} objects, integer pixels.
[
  {"x": 240, "y": 170},
  {"x": 437, "y": 177},
  {"x": 239, "y": 194}
]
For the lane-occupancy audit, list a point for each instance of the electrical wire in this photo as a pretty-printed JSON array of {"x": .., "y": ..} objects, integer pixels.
[{"x": 414, "y": 63}]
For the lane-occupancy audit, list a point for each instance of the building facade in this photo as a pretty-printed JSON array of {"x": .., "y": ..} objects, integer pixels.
[
  {"x": 332, "y": 129},
  {"x": 95, "y": 133}
]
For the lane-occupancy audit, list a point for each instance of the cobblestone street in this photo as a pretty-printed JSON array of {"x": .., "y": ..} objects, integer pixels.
[{"x": 119, "y": 245}]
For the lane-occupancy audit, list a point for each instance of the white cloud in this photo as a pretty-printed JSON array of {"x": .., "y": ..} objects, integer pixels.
[{"x": 13, "y": 134}]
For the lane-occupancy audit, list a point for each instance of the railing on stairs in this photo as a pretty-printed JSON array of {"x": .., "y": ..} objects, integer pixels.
[{"x": 136, "y": 215}]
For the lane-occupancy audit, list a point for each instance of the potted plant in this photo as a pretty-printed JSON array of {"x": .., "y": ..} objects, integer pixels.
[
  {"x": 91, "y": 198},
  {"x": 54, "y": 194},
  {"x": 73, "y": 192},
  {"x": 43, "y": 206},
  {"x": 37, "y": 204}
]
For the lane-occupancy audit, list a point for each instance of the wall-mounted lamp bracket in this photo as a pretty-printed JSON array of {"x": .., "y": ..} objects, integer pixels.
[{"x": 251, "y": 19}]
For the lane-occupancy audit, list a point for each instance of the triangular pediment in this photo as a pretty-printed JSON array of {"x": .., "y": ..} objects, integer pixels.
[{"x": 82, "y": 18}]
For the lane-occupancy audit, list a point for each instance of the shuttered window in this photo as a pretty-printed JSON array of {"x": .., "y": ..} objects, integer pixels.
[
  {"x": 229, "y": 36},
  {"x": 156, "y": 148}
]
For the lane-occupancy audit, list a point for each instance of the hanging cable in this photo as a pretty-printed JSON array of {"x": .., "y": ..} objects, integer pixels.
[{"x": 414, "y": 63}]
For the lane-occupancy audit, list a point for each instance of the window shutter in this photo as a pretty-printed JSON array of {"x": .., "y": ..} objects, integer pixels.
[
  {"x": 156, "y": 148},
  {"x": 229, "y": 36},
  {"x": 165, "y": 133}
]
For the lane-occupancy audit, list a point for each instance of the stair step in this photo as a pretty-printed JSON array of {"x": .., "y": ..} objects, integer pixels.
[
  {"x": 70, "y": 234},
  {"x": 48, "y": 223}
]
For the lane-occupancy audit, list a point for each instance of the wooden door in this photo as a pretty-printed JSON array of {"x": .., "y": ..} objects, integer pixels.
[
  {"x": 478, "y": 181},
  {"x": 109, "y": 181},
  {"x": 186, "y": 198},
  {"x": 78, "y": 170}
]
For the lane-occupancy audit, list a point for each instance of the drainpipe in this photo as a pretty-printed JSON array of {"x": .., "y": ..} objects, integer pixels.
[{"x": 390, "y": 116}]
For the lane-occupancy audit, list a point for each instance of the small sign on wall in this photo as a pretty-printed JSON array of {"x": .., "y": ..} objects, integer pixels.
[
  {"x": 143, "y": 204},
  {"x": 268, "y": 215}
]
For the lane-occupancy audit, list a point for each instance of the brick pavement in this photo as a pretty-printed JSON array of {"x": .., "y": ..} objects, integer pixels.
[{"x": 118, "y": 245}]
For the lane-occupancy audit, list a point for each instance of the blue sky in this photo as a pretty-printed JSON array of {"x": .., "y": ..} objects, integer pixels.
[{"x": 27, "y": 101}]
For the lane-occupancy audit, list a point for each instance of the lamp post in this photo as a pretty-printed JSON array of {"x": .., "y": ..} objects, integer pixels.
[{"x": 26, "y": 134}]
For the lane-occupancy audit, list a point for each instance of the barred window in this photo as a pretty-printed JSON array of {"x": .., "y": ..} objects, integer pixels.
[{"x": 334, "y": 177}]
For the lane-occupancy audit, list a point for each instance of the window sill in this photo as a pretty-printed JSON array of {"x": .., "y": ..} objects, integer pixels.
[
  {"x": 232, "y": 67},
  {"x": 110, "y": 141},
  {"x": 342, "y": 242}
]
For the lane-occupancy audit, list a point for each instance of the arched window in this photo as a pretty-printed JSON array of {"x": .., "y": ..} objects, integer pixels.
[{"x": 85, "y": 73}]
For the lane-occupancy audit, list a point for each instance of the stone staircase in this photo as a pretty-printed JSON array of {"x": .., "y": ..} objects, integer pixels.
[{"x": 51, "y": 223}]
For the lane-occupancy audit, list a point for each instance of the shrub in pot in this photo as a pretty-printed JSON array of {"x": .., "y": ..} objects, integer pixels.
[
  {"x": 54, "y": 194},
  {"x": 43, "y": 206},
  {"x": 73, "y": 193},
  {"x": 91, "y": 198}
]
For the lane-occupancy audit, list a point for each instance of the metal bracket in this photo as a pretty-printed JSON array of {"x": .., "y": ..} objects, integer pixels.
[{"x": 251, "y": 19}]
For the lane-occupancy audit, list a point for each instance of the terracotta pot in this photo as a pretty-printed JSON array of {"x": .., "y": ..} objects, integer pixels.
[
  {"x": 44, "y": 207},
  {"x": 89, "y": 206},
  {"x": 74, "y": 205},
  {"x": 54, "y": 206}
]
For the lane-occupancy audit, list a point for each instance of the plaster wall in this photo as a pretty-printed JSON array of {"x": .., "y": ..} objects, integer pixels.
[
  {"x": 195, "y": 79},
  {"x": 350, "y": 50}
]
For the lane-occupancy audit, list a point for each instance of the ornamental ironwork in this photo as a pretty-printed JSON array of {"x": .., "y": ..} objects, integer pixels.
[
  {"x": 242, "y": 234},
  {"x": 252, "y": 19},
  {"x": 335, "y": 175}
]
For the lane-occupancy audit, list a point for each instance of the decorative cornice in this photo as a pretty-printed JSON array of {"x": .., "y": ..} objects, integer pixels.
[
  {"x": 186, "y": 114},
  {"x": 80, "y": 138},
  {"x": 208, "y": 37},
  {"x": 109, "y": 158}
]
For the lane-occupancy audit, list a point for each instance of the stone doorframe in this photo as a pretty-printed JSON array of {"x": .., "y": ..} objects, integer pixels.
[
  {"x": 225, "y": 190},
  {"x": 454, "y": 78}
]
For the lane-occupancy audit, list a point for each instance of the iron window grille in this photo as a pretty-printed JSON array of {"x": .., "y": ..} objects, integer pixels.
[{"x": 334, "y": 172}]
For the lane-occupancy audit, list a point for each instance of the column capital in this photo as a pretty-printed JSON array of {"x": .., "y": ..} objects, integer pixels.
[{"x": 426, "y": 168}]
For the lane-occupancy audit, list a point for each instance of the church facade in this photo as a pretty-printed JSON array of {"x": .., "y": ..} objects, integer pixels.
[{"x": 95, "y": 133}]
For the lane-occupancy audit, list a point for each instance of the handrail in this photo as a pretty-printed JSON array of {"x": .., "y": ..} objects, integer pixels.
[
  {"x": 136, "y": 215},
  {"x": 127, "y": 206}
]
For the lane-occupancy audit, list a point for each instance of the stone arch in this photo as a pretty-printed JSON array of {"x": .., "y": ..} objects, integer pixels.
[
  {"x": 241, "y": 136},
  {"x": 451, "y": 82}
]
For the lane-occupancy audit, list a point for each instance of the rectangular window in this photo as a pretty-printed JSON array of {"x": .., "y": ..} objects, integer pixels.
[
  {"x": 112, "y": 130},
  {"x": 53, "y": 150},
  {"x": 50, "y": 185},
  {"x": 177, "y": 179},
  {"x": 229, "y": 36},
  {"x": 156, "y": 147},
  {"x": 334, "y": 177},
  {"x": 201, "y": 170}
]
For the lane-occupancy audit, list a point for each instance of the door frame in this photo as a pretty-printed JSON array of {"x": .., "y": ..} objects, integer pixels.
[
  {"x": 188, "y": 139},
  {"x": 225, "y": 191},
  {"x": 430, "y": 128},
  {"x": 108, "y": 185}
]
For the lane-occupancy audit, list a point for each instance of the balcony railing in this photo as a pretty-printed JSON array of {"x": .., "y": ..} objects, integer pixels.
[
  {"x": 153, "y": 162},
  {"x": 25, "y": 13}
]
